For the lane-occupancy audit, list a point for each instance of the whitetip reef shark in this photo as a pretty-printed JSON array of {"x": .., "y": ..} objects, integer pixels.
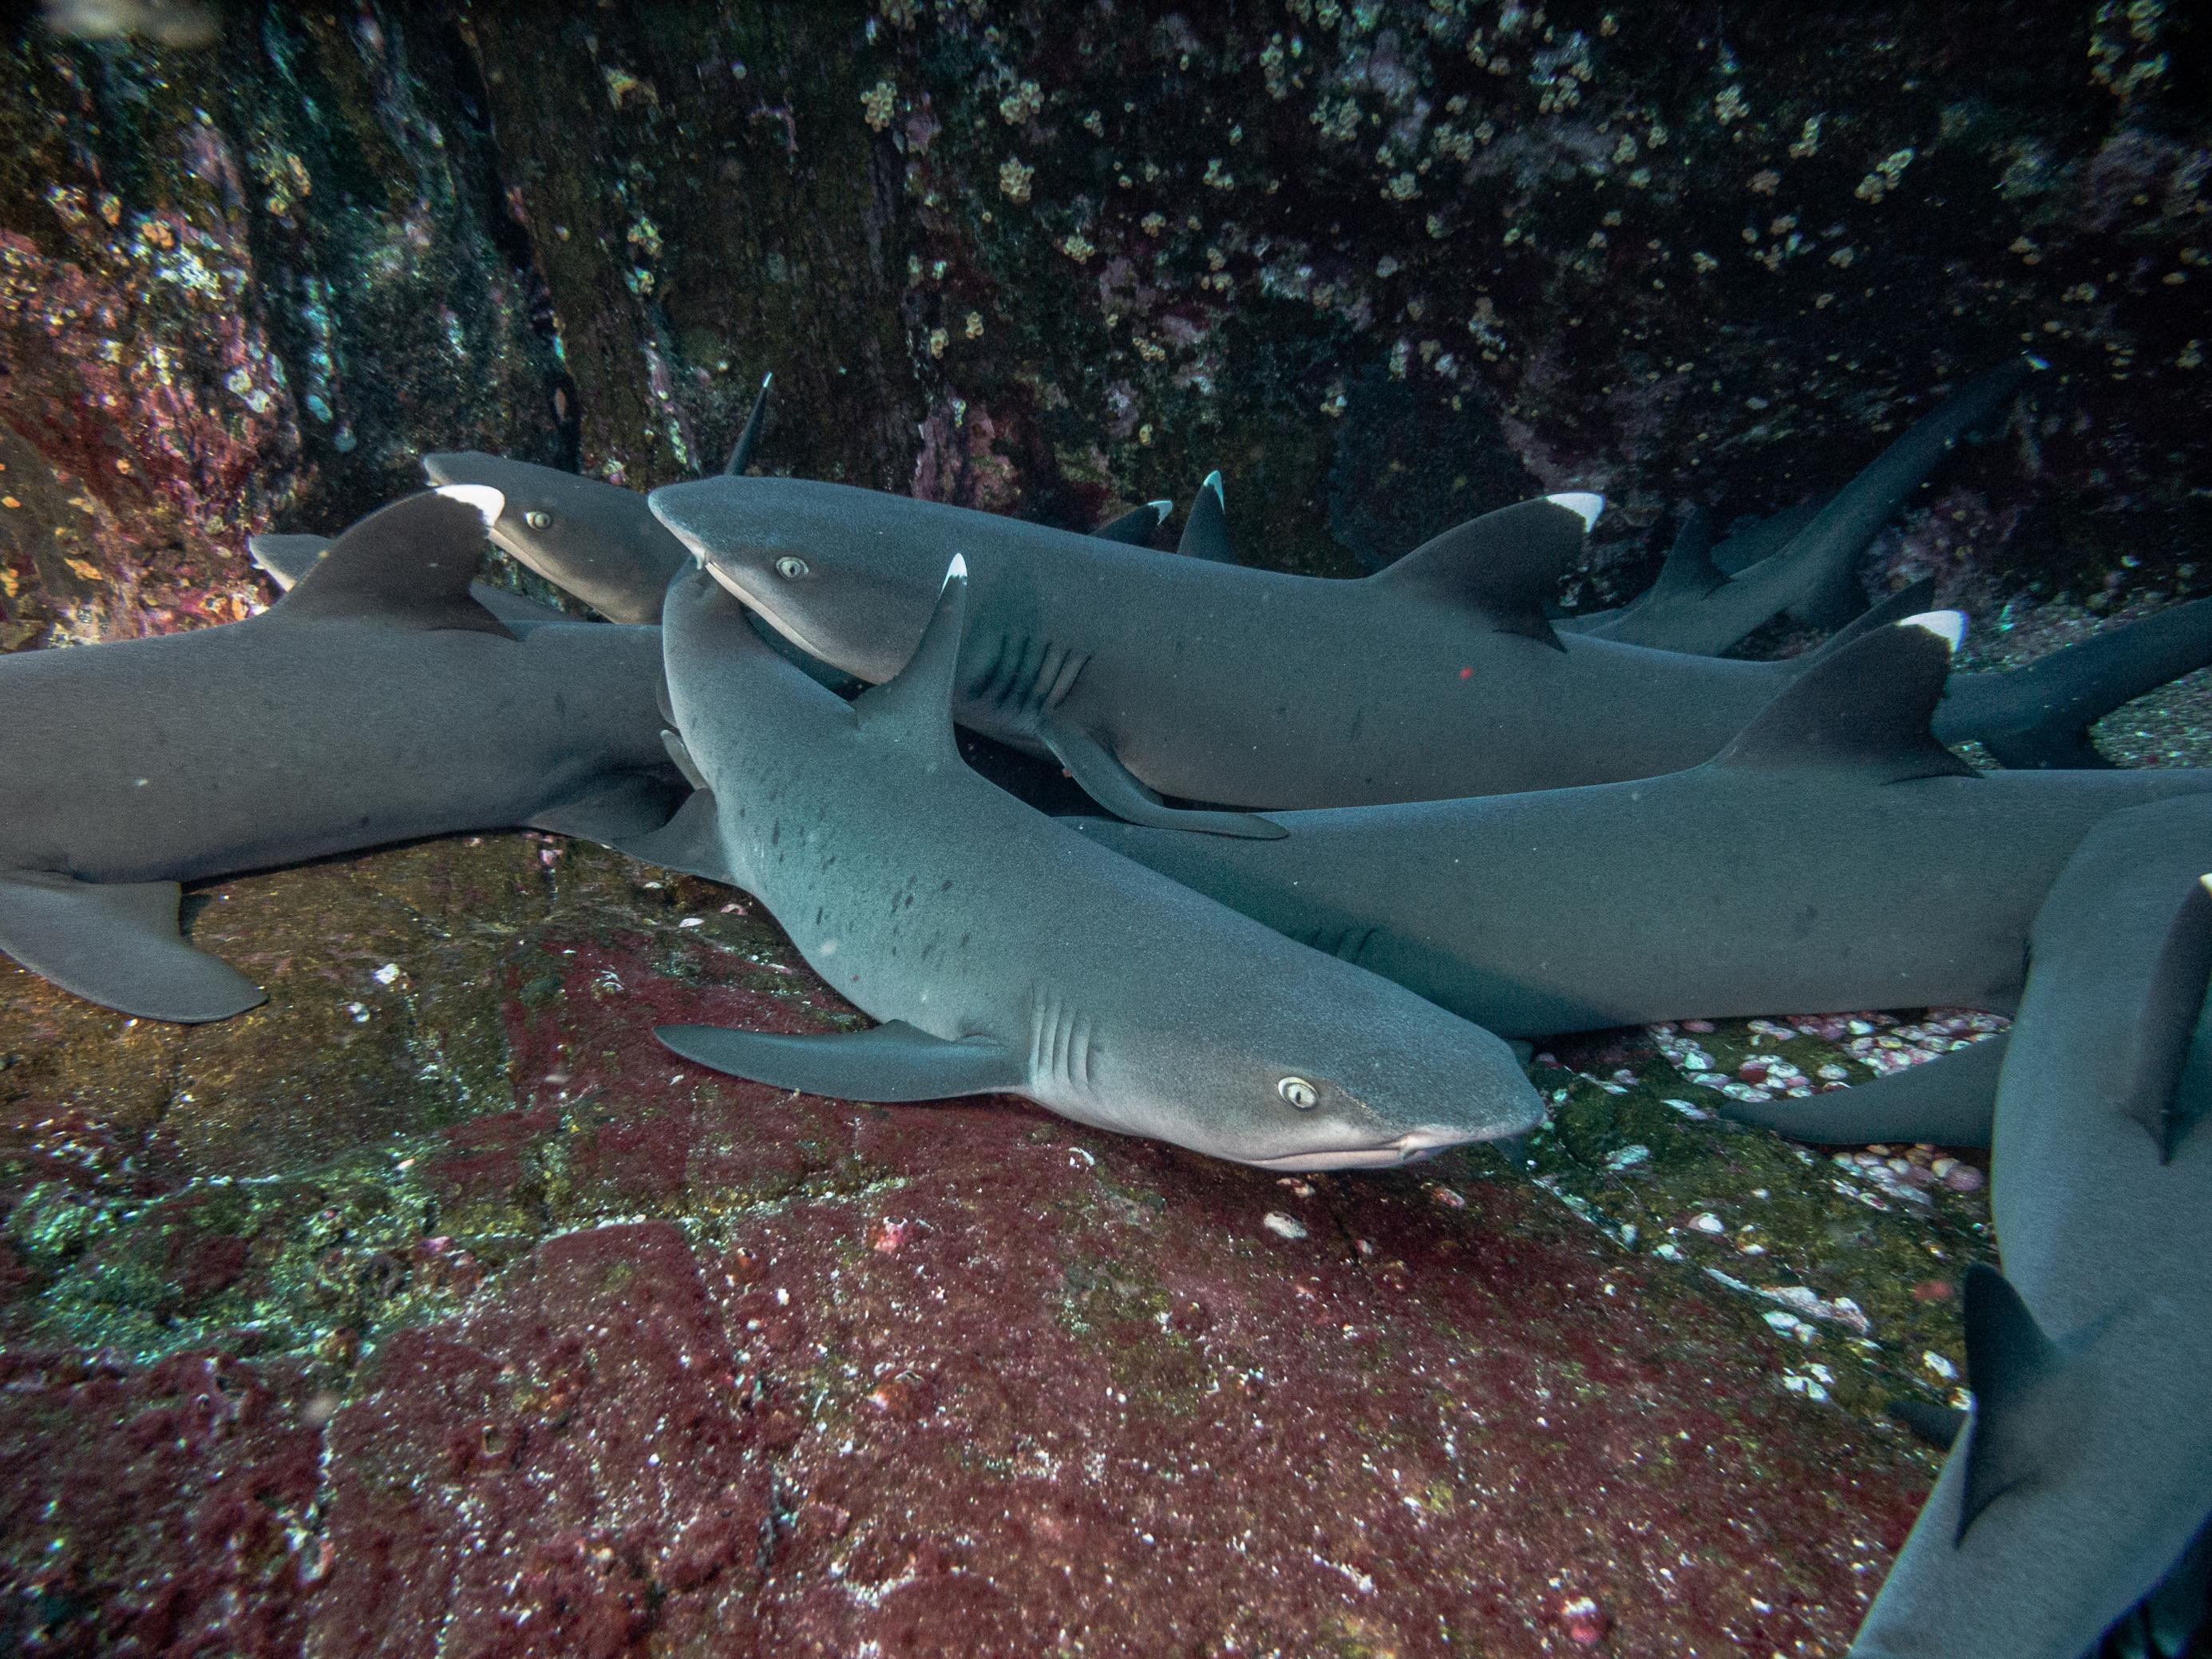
[
  {"x": 1006, "y": 954},
  {"x": 1148, "y": 675},
  {"x": 2084, "y": 1474},
  {"x": 1833, "y": 856},
  {"x": 379, "y": 701},
  {"x": 1707, "y": 598}
]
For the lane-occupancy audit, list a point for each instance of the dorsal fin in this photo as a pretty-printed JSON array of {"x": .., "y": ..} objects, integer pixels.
[
  {"x": 2029, "y": 1400},
  {"x": 1503, "y": 565},
  {"x": 741, "y": 453},
  {"x": 1135, "y": 527},
  {"x": 2167, "y": 1084},
  {"x": 1689, "y": 572},
  {"x": 915, "y": 706},
  {"x": 409, "y": 564},
  {"x": 1205, "y": 532},
  {"x": 1864, "y": 709}
]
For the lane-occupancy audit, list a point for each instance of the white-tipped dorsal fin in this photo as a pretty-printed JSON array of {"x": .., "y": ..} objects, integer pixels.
[
  {"x": 408, "y": 565},
  {"x": 1504, "y": 566},
  {"x": 915, "y": 706},
  {"x": 489, "y": 503},
  {"x": 1205, "y": 532},
  {"x": 1864, "y": 709},
  {"x": 1949, "y": 626},
  {"x": 1581, "y": 502}
]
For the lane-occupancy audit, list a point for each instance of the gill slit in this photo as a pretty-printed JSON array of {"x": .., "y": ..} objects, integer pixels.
[
  {"x": 1063, "y": 1051},
  {"x": 1026, "y": 675}
]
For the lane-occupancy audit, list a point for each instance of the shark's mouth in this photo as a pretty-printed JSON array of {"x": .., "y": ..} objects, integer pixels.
[
  {"x": 753, "y": 602},
  {"x": 1408, "y": 1148}
]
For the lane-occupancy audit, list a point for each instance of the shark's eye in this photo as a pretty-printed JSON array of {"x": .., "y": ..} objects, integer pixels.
[
  {"x": 1299, "y": 1092},
  {"x": 536, "y": 519},
  {"x": 790, "y": 567}
]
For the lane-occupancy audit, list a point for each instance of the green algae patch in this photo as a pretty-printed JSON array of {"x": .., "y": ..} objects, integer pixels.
[{"x": 1854, "y": 1266}]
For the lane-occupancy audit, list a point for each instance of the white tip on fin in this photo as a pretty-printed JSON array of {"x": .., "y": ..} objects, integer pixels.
[
  {"x": 957, "y": 571},
  {"x": 489, "y": 503},
  {"x": 1161, "y": 508},
  {"x": 1214, "y": 482},
  {"x": 1578, "y": 501},
  {"x": 1949, "y": 626}
]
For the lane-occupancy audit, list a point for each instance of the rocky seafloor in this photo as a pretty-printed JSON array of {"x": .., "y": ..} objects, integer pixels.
[{"x": 433, "y": 1307}]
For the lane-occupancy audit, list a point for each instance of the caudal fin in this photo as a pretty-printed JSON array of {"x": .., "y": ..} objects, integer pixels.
[{"x": 2038, "y": 717}]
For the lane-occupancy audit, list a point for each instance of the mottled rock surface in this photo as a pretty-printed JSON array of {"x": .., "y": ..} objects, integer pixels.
[{"x": 434, "y": 1306}]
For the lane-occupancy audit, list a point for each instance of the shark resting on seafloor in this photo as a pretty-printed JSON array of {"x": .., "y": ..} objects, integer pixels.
[
  {"x": 379, "y": 701},
  {"x": 997, "y": 944},
  {"x": 1833, "y": 857},
  {"x": 2076, "y": 1504},
  {"x": 1150, "y": 676}
]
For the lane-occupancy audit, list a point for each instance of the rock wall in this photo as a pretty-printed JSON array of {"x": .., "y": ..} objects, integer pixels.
[{"x": 1383, "y": 263}]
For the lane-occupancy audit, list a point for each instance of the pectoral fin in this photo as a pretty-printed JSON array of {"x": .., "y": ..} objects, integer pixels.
[
  {"x": 1109, "y": 783},
  {"x": 117, "y": 944},
  {"x": 893, "y": 1061}
]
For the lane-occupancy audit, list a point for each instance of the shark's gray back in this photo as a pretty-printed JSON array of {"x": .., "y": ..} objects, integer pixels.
[
  {"x": 1705, "y": 893},
  {"x": 2087, "y": 1465},
  {"x": 274, "y": 740}
]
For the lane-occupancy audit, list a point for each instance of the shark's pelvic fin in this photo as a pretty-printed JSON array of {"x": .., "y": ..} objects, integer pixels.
[
  {"x": 1106, "y": 780},
  {"x": 893, "y": 1061},
  {"x": 409, "y": 564},
  {"x": 1865, "y": 709},
  {"x": 915, "y": 706},
  {"x": 680, "y": 755},
  {"x": 117, "y": 944},
  {"x": 1949, "y": 1101},
  {"x": 1135, "y": 527},
  {"x": 615, "y": 810},
  {"x": 1939, "y": 1426},
  {"x": 741, "y": 453},
  {"x": 2028, "y": 1400},
  {"x": 691, "y": 842},
  {"x": 1205, "y": 532},
  {"x": 1505, "y": 565}
]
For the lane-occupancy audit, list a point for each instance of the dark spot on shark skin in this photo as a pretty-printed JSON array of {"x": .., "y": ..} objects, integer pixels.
[
  {"x": 775, "y": 833},
  {"x": 946, "y": 885},
  {"x": 1802, "y": 922}
]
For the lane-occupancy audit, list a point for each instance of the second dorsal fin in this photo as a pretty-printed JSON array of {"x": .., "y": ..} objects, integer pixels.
[
  {"x": 1205, "y": 532},
  {"x": 409, "y": 564},
  {"x": 1689, "y": 572},
  {"x": 1864, "y": 709},
  {"x": 1505, "y": 565},
  {"x": 915, "y": 706}
]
